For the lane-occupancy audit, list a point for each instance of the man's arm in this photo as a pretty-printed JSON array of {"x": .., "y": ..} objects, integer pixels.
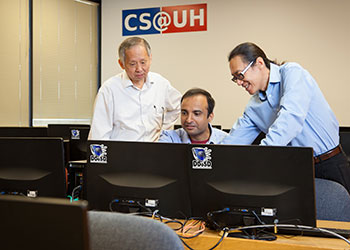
[
  {"x": 243, "y": 132},
  {"x": 172, "y": 107},
  {"x": 102, "y": 120}
]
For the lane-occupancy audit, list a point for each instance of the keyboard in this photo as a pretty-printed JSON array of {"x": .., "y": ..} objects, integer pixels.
[{"x": 314, "y": 232}]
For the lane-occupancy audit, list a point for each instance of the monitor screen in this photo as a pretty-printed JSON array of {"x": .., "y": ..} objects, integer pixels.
[
  {"x": 32, "y": 167},
  {"x": 43, "y": 223},
  {"x": 138, "y": 177},
  {"x": 250, "y": 185}
]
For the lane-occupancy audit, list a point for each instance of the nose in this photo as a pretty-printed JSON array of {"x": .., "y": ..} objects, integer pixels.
[
  {"x": 188, "y": 118},
  {"x": 138, "y": 67},
  {"x": 239, "y": 82}
]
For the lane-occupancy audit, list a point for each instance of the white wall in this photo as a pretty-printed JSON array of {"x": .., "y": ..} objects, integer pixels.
[{"x": 314, "y": 33}]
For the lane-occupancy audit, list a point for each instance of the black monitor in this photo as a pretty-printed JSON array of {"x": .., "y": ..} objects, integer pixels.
[
  {"x": 32, "y": 167},
  {"x": 250, "y": 185},
  {"x": 64, "y": 130},
  {"x": 138, "y": 177},
  {"x": 344, "y": 134},
  {"x": 23, "y": 131},
  {"x": 78, "y": 142},
  {"x": 74, "y": 136},
  {"x": 43, "y": 223}
]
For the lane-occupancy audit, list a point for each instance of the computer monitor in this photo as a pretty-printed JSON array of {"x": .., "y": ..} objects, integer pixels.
[
  {"x": 78, "y": 142},
  {"x": 23, "y": 131},
  {"x": 138, "y": 177},
  {"x": 43, "y": 223},
  {"x": 250, "y": 185},
  {"x": 64, "y": 130},
  {"x": 344, "y": 134},
  {"x": 74, "y": 136},
  {"x": 32, "y": 166}
]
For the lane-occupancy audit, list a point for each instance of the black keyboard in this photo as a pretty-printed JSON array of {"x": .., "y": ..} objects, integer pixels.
[{"x": 315, "y": 232}]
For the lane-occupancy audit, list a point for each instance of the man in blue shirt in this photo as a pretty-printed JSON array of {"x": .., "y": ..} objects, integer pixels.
[
  {"x": 289, "y": 107},
  {"x": 197, "y": 107}
]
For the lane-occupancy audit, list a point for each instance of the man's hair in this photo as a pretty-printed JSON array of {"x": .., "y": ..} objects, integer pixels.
[
  {"x": 130, "y": 42},
  {"x": 250, "y": 52},
  {"x": 198, "y": 91}
]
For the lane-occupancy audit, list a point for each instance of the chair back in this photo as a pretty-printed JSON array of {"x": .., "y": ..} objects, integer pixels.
[
  {"x": 332, "y": 201},
  {"x": 111, "y": 230}
]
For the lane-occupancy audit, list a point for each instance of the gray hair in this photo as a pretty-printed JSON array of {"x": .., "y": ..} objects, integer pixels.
[{"x": 130, "y": 42}]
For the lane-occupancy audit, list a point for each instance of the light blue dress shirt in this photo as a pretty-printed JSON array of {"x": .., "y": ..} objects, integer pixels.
[
  {"x": 181, "y": 136},
  {"x": 292, "y": 112}
]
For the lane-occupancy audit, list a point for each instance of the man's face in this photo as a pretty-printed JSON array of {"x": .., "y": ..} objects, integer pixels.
[
  {"x": 253, "y": 80},
  {"x": 194, "y": 117},
  {"x": 137, "y": 64}
]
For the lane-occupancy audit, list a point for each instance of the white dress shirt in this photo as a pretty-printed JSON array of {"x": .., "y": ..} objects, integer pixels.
[{"x": 124, "y": 112}]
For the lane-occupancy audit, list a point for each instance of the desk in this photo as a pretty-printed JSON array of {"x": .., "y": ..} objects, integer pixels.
[{"x": 209, "y": 238}]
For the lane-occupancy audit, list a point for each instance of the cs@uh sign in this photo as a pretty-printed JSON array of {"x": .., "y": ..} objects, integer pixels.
[{"x": 170, "y": 19}]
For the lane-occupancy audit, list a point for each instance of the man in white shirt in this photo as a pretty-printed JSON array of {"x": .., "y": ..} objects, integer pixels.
[
  {"x": 136, "y": 104},
  {"x": 197, "y": 107}
]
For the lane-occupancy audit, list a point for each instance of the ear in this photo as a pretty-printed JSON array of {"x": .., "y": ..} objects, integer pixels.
[
  {"x": 121, "y": 64},
  {"x": 260, "y": 62},
  {"x": 211, "y": 117}
]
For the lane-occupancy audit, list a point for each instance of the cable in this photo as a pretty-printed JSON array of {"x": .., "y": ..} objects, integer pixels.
[
  {"x": 291, "y": 226},
  {"x": 225, "y": 232},
  {"x": 258, "y": 218}
]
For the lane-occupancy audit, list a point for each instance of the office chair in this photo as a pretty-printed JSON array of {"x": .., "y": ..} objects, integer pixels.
[
  {"x": 111, "y": 230},
  {"x": 332, "y": 201}
]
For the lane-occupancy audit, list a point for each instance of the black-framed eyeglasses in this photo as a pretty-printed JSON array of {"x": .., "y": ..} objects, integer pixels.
[{"x": 240, "y": 76}]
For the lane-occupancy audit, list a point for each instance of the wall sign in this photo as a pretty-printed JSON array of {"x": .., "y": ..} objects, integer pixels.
[{"x": 169, "y": 19}]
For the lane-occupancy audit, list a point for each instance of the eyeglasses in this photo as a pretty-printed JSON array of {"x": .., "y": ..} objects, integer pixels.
[{"x": 240, "y": 76}]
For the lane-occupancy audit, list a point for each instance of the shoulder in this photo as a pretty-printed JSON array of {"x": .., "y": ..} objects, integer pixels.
[
  {"x": 175, "y": 136},
  {"x": 112, "y": 82},
  {"x": 219, "y": 132},
  {"x": 290, "y": 67},
  {"x": 158, "y": 78},
  {"x": 169, "y": 136},
  {"x": 217, "y": 135}
]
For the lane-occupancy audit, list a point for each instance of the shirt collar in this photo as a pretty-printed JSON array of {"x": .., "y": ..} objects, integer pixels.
[
  {"x": 275, "y": 77},
  {"x": 126, "y": 82},
  {"x": 187, "y": 139}
]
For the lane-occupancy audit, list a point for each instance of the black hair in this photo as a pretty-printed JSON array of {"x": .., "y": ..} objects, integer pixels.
[
  {"x": 198, "y": 91},
  {"x": 250, "y": 52}
]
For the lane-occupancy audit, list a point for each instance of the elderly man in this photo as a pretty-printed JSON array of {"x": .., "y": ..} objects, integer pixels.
[
  {"x": 136, "y": 104},
  {"x": 197, "y": 107}
]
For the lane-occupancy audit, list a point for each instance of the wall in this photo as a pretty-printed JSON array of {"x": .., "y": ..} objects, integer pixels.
[{"x": 313, "y": 33}]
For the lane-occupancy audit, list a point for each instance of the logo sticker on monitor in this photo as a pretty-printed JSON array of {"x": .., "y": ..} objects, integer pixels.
[
  {"x": 98, "y": 153},
  {"x": 75, "y": 134},
  {"x": 202, "y": 158}
]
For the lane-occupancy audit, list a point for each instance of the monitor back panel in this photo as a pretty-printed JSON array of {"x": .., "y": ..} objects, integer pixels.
[
  {"x": 23, "y": 131},
  {"x": 63, "y": 130},
  {"x": 253, "y": 178},
  {"x": 138, "y": 172},
  {"x": 33, "y": 166},
  {"x": 43, "y": 223},
  {"x": 344, "y": 133},
  {"x": 78, "y": 142}
]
